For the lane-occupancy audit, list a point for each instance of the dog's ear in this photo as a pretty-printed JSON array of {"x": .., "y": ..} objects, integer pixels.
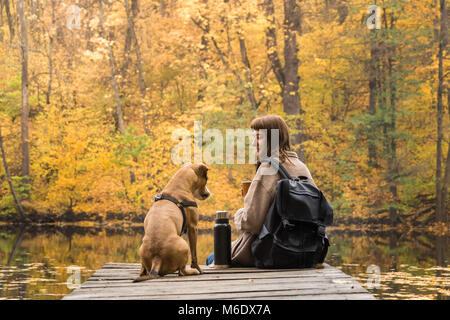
[{"x": 201, "y": 170}]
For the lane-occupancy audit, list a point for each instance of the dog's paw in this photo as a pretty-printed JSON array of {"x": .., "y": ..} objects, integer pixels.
[{"x": 196, "y": 266}]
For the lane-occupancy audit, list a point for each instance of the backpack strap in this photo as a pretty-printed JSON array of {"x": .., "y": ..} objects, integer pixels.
[{"x": 281, "y": 169}]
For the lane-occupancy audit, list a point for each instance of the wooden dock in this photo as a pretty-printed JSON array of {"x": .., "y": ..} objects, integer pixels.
[{"x": 114, "y": 281}]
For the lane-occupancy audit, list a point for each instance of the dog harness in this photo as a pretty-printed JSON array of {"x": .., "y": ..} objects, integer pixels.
[{"x": 179, "y": 204}]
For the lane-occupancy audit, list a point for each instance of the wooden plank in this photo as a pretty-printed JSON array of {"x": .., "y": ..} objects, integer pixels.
[
  {"x": 212, "y": 271},
  {"x": 154, "y": 290},
  {"x": 217, "y": 293},
  {"x": 174, "y": 277},
  {"x": 115, "y": 272},
  {"x": 120, "y": 275},
  {"x": 223, "y": 294},
  {"x": 129, "y": 276},
  {"x": 272, "y": 295},
  {"x": 238, "y": 280},
  {"x": 323, "y": 296},
  {"x": 182, "y": 280},
  {"x": 207, "y": 270},
  {"x": 114, "y": 281}
]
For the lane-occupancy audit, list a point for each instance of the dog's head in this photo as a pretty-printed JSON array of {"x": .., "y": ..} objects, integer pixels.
[{"x": 200, "y": 190}]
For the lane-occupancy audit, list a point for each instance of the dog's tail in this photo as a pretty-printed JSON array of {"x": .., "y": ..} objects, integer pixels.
[{"x": 154, "y": 272}]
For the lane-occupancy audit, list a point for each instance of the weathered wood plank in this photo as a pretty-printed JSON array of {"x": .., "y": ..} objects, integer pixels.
[
  {"x": 173, "y": 277},
  {"x": 221, "y": 294},
  {"x": 182, "y": 280},
  {"x": 206, "y": 269},
  {"x": 271, "y": 295},
  {"x": 114, "y": 281},
  {"x": 322, "y": 296},
  {"x": 228, "y": 282},
  {"x": 121, "y": 275},
  {"x": 127, "y": 277},
  {"x": 154, "y": 291},
  {"x": 211, "y": 270}
]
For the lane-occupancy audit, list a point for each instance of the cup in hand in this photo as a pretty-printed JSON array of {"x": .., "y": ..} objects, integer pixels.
[{"x": 245, "y": 185}]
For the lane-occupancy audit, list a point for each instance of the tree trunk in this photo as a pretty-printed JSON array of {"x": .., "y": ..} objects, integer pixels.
[
  {"x": 126, "y": 54},
  {"x": 288, "y": 77},
  {"x": 128, "y": 39},
  {"x": 445, "y": 184},
  {"x": 440, "y": 210},
  {"x": 391, "y": 140},
  {"x": 50, "y": 60},
  {"x": 291, "y": 94},
  {"x": 119, "y": 112},
  {"x": 8, "y": 178},
  {"x": 248, "y": 73},
  {"x": 446, "y": 181},
  {"x": 162, "y": 7},
  {"x": 371, "y": 134},
  {"x": 25, "y": 107},
  {"x": 271, "y": 43},
  {"x": 142, "y": 86},
  {"x": 10, "y": 22}
]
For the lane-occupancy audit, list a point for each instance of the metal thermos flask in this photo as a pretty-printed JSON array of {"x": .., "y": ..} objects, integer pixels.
[{"x": 222, "y": 240}]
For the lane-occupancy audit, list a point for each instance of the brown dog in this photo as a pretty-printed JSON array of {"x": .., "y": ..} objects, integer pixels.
[{"x": 163, "y": 250}]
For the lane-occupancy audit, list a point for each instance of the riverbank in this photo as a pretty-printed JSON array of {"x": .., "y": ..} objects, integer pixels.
[
  {"x": 205, "y": 223},
  {"x": 123, "y": 220}
]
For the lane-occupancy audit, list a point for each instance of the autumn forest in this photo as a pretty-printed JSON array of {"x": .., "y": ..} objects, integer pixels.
[{"x": 91, "y": 91}]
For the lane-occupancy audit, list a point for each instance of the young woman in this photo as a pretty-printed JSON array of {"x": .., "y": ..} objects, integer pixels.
[{"x": 261, "y": 193}]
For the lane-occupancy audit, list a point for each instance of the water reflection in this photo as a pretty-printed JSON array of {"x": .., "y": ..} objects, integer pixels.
[
  {"x": 34, "y": 261},
  {"x": 413, "y": 265}
]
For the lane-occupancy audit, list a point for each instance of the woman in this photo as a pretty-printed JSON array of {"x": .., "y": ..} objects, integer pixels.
[{"x": 261, "y": 193}]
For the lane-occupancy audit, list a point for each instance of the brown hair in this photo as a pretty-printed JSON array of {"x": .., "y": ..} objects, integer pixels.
[{"x": 269, "y": 123}]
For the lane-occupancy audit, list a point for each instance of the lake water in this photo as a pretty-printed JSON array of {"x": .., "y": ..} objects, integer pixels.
[{"x": 44, "y": 262}]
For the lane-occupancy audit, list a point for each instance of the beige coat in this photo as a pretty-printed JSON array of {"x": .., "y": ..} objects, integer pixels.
[{"x": 261, "y": 193}]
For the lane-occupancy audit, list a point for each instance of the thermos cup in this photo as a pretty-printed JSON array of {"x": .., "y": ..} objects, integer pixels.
[
  {"x": 245, "y": 185},
  {"x": 222, "y": 240}
]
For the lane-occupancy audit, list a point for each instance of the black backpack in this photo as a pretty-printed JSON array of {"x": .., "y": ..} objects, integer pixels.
[{"x": 293, "y": 234}]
